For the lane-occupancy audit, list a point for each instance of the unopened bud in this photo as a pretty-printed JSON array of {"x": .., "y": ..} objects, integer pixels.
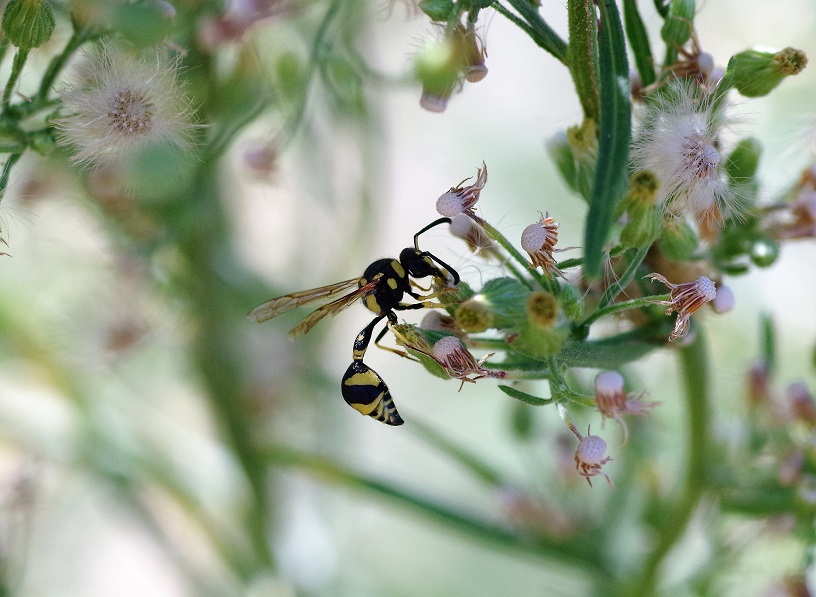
[
  {"x": 438, "y": 70},
  {"x": 801, "y": 403},
  {"x": 754, "y": 73},
  {"x": 542, "y": 309},
  {"x": 643, "y": 218},
  {"x": 28, "y": 23},
  {"x": 572, "y": 302},
  {"x": 678, "y": 240},
  {"x": 474, "y": 315}
]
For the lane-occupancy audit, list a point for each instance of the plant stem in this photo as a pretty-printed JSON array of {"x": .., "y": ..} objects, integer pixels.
[
  {"x": 644, "y": 301},
  {"x": 541, "y": 33},
  {"x": 694, "y": 370},
  {"x": 16, "y": 68}
]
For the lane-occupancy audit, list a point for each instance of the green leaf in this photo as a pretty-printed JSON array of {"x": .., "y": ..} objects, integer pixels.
[
  {"x": 639, "y": 42},
  {"x": 525, "y": 397},
  {"x": 615, "y": 135},
  {"x": 612, "y": 353}
]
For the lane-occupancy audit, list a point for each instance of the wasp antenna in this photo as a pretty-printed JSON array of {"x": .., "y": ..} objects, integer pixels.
[{"x": 428, "y": 227}]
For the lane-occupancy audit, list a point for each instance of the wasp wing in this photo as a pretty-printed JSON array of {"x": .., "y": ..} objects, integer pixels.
[
  {"x": 333, "y": 308},
  {"x": 282, "y": 304}
]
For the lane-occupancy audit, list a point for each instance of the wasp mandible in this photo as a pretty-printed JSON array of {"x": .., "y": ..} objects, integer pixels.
[{"x": 381, "y": 288}]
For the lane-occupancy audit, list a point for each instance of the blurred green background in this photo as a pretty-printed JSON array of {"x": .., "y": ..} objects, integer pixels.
[{"x": 154, "y": 440}]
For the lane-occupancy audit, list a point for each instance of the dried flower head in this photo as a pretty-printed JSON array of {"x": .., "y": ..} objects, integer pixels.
[
  {"x": 679, "y": 140},
  {"x": 801, "y": 403},
  {"x": 118, "y": 104},
  {"x": 458, "y": 362},
  {"x": 539, "y": 241},
  {"x": 686, "y": 299},
  {"x": 461, "y": 199},
  {"x": 612, "y": 401},
  {"x": 591, "y": 456}
]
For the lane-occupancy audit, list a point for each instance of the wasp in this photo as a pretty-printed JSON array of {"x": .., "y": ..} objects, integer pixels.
[{"x": 381, "y": 288}]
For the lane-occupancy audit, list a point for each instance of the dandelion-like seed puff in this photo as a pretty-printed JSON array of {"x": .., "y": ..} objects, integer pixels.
[
  {"x": 679, "y": 140},
  {"x": 686, "y": 299},
  {"x": 117, "y": 104}
]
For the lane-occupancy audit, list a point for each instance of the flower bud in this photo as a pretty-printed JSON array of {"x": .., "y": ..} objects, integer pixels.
[
  {"x": 754, "y": 73},
  {"x": 583, "y": 142},
  {"x": 474, "y": 315},
  {"x": 677, "y": 28},
  {"x": 678, "y": 240},
  {"x": 643, "y": 217},
  {"x": 542, "y": 309},
  {"x": 438, "y": 70},
  {"x": 28, "y": 23}
]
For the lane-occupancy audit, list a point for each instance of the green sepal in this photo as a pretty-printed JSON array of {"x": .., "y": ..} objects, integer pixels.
[
  {"x": 507, "y": 298},
  {"x": 678, "y": 241},
  {"x": 437, "y": 10}
]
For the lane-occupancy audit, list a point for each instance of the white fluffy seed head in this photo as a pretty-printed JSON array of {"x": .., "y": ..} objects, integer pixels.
[
  {"x": 591, "y": 451},
  {"x": 678, "y": 140},
  {"x": 450, "y": 204},
  {"x": 118, "y": 104},
  {"x": 445, "y": 347}
]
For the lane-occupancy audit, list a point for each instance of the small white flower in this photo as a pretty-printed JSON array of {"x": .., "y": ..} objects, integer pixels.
[
  {"x": 461, "y": 199},
  {"x": 118, "y": 104},
  {"x": 539, "y": 241},
  {"x": 686, "y": 298},
  {"x": 591, "y": 456},
  {"x": 679, "y": 140}
]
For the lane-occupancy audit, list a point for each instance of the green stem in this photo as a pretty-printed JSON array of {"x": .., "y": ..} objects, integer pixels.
[
  {"x": 543, "y": 281},
  {"x": 6, "y": 174},
  {"x": 695, "y": 374},
  {"x": 541, "y": 33},
  {"x": 16, "y": 68},
  {"x": 216, "y": 351},
  {"x": 636, "y": 303},
  {"x": 583, "y": 55},
  {"x": 560, "y": 390}
]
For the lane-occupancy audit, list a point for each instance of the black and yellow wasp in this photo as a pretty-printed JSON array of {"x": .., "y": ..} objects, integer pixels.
[{"x": 381, "y": 288}]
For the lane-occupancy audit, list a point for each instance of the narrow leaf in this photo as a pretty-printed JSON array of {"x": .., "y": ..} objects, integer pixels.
[
  {"x": 614, "y": 136},
  {"x": 525, "y": 397},
  {"x": 639, "y": 41}
]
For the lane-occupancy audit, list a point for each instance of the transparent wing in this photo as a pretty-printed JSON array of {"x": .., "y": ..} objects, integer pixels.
[
  {"x": 282, "y": 304},
  {"x": 332, "y": 308}
]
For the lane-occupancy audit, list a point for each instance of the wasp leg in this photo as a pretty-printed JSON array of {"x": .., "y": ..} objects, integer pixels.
[{"x": 363, "y": 389}]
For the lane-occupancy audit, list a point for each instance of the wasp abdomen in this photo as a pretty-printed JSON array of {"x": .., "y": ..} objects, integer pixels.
[{"x": 365, "y": 391}]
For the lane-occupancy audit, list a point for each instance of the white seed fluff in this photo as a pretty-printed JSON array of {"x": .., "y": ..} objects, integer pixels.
[
  {"x": 117, "y": 104},
  {"x": 678, "y": 140}
]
